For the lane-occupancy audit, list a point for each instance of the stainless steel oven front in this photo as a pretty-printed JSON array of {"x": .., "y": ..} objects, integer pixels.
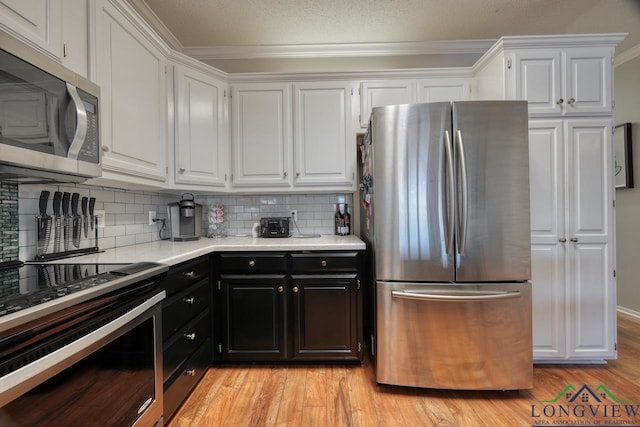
[{"x": 94, "y": 363}]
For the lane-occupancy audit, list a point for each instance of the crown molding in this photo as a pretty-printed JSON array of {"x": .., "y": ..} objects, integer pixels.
[
  {"x": 154, "y": 22},
  {"x": 441, "y": 47},
  {"x": 627, "y": 55},
  {"x": 561, "y": 41}
]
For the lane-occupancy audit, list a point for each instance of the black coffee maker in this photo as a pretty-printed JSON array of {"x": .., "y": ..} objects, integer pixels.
[{"x": 185, "y": 218}]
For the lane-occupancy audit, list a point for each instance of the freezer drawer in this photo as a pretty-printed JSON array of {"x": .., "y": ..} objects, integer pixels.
[{"x": 452, "y": 336}]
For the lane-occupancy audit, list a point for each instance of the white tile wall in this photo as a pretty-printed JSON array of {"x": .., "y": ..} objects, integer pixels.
[{"x": 126, "y": 212}]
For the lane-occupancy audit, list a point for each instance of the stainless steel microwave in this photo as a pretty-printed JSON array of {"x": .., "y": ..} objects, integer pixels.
[{"x": 49, "y": 118}]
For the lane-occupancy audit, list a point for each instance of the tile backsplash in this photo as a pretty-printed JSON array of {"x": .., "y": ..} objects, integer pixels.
[
  {"x": 127, "y": 213},
  {"x": 8, "y": 222}
]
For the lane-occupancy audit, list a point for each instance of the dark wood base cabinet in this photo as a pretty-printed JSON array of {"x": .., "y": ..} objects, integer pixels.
[
  {"x": 304, "y": 307},
  {"x": 186, "y": 330}
]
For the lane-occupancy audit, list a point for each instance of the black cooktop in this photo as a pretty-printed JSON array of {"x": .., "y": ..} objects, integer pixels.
[{"x": 27, "y": 285}]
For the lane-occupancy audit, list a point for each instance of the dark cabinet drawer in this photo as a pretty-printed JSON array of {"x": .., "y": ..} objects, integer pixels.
[
  {"x": 185, "y": 275},
  {"x": 183, "y": 343},
  {"x": 185, "y": 379},
  {"x": 253, "y": 263},
  {"x": 180, "y": 308},
  {"x": 332, "y": 262}
]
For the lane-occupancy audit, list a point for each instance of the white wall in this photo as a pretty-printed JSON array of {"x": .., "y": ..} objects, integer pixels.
[{"x": 627, "y": 92}]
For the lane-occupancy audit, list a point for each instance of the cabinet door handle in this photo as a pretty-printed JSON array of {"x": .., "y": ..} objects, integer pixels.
[
  {"x": 559, "y": 101},
  {"x": 252, "y": 263},
  {"x": 571, "y": 101},
  {"x": 190, "y": 300},
  {"x": 182, "y": 170},
  {"x": 280, "y": 289},
  {"x": 562, "y": 240},
  {"x": 191, "y": 336},
  {"x": 297, "y": 174},
  {"x": 189, "y": 274},
  {"x": 295, "y": 289},
  {"x": 285, "y": 174},
  {"x": 105, "y": 148},
  {"x": 323, "y": 263},
  {"x": 574, "y": 239},
  {"x": 190, "y": 372}
]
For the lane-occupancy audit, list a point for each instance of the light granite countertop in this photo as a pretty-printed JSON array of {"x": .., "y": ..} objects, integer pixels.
[{"x": 172, "y": 253}]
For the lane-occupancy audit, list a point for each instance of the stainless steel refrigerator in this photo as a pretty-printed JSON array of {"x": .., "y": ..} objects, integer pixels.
[{"x": 445, "y": 213}]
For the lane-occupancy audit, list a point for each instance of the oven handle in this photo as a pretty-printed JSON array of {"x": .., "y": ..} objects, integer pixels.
[
  {"x": 81, "y": 123},
  {"x": 459, "y": 296},
  {"x": 20, "y": 381}
]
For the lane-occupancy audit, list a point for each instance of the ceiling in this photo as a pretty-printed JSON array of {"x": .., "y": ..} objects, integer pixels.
[{"x": 335, "y": 35}]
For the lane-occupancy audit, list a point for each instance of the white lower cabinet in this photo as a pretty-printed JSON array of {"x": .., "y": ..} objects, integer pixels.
[
  {"x": 201, "y": 141},
  {"x": 131, "y": 73},
  {"x": 572, "y": 218}
]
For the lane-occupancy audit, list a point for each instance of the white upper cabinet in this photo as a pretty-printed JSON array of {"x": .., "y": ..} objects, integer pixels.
[
  {"x": 130, "y": 70},
  {"x": 261, "y": 134},
  {"x": 443, "y": 90},
  {"x": 35, "y": 22},
  {"x": 324, "y": 139},
  {"x": 384, "y": 92},
  {"x": 75, "y": 41},
  {"x": 573, "y": 81},
  {"x": 201, "y": 139}
]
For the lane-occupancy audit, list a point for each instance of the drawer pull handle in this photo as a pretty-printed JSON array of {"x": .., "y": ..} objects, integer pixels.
[
  {"x": 571, "y": 101},
  {"x": 280, "y": 289},
  {"x": 323, "y": 263},
  {"x": 190, "y": 300},
  {"x": 190, "y": 274},
  {"x": 190, "y": 372},
  {"x": 295, "y": 289},
  {"x": 252, "y": 263},
  {"x": 191, "y": 336}
]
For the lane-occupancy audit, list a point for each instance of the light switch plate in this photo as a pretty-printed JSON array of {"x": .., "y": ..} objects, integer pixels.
[{"x": 100, "y": 215}]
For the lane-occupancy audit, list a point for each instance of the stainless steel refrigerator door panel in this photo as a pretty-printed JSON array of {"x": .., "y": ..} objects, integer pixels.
[
  {"x": 410, "y": 196},
  {"x": 492, "y": 160},
  {"x": 469, "y": 337}
]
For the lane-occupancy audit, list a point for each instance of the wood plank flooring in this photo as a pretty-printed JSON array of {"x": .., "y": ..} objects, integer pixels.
[{"x": 337, "y": 395}]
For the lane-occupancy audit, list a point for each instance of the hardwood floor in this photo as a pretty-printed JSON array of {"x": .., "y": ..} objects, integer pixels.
[{"x": 337, "y": 395}]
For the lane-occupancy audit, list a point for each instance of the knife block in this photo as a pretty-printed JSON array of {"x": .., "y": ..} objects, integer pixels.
[{"x": 65, "y": 236}]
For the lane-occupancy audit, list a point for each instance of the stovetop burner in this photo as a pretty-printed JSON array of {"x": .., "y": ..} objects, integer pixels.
[{"x": 27, "y": 285}]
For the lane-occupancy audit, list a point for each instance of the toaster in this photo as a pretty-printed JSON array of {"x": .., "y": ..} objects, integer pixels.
[{"x": 275, "y": 227}]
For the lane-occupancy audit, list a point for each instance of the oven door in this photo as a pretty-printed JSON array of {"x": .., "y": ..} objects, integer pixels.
[{"x": 111, "y": 376}]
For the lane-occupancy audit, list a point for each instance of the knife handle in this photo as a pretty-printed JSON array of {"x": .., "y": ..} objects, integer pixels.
[
  {"x": 57, "y": 202},
  {"x": 75, "y": 198},
  {"x": 66, "y": 197},
  {"x": 84, "y": 202},
  {"x": 44, "y": 199},
  {"x": 92, "y": 205}
]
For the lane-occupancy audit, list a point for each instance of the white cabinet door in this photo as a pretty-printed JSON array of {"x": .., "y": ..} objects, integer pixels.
[
  {"x": 548, "y": 253},
  {"x": 384, "y": 92},
  {"x": 200, "y": 146},
  {"x": 443, "y": 90},
  {"x": 588, "y": 81},
  {"x": 589, "y": 233},
  {"x": 131, "y": 73},
  {"x": 261, "y": 134},
  {"x": 75, "y": 36},
  {"x": 35, "y": 22},
  {"x": 538, "y": 79},
  {"x": 324, "y": 140}
]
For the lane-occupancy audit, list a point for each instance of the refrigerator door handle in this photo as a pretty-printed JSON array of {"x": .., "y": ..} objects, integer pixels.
[
  {"x": 464, "y": 205},
  {"x": 459, "y": 296},
  {"x": 450, "y": 186}
]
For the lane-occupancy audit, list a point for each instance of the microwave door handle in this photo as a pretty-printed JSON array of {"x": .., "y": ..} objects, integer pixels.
[{"x": 81, "y": 123}]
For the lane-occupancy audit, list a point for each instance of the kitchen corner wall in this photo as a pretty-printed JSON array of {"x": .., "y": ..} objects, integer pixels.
[{"x": 127, "y": 212}]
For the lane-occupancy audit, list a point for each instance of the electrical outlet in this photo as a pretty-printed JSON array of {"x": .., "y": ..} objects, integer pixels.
[
  {"x": 152, "y": 217},
  {"x": 293, "y": 214},
  {"x": 99, "y": 214}
]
